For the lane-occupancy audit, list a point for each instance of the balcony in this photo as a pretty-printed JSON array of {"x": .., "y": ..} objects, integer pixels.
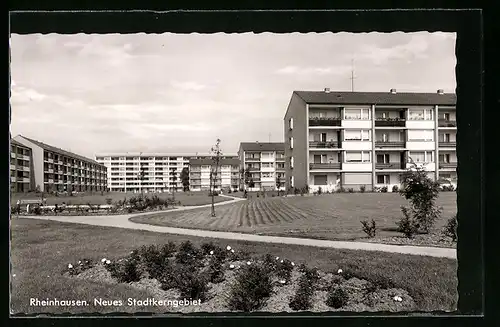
[
  {"x": 447, "y": 144},
  {"x": 390, "y": 144},
  {"x": 324, "y": 121},
  {"x": 253, "y": 168},
  {"x": 445, "y": 165},
  {"x": 390, "y": 165},
  {"x": 324, "y": 145},
  {"x": 447, "y": 123},
  {"x": 252, "y": 158},
  {"x": 389, "y": 122},
  {"x": 333, "y": 165}
]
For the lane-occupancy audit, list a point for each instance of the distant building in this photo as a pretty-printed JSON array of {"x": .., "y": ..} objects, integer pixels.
[
  {"x": 162, "y": 171},
  {"x": 265, "y": 164},
  {"x": 21, "y": 170},
  {"x": 226, "y": 176},
  {"x": 53, "y": 169},
  {"x": 351, "y": 139}
]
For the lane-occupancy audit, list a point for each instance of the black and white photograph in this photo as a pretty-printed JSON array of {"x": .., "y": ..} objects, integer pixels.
[{"x": 233, "y": 173}]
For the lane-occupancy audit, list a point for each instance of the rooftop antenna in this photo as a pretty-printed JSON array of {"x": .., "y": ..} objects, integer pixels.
[{"x": 352, "y": 75}]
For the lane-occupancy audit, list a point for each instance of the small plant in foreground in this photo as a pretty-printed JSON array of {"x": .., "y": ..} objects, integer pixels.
[
  {"x": 350, "y": 190},
  {"x": 215, "y": 270},
  {"x": 206, "y": 247},
  {"x": 302, "y": 298},
  {"x": 395, "y": 189},
  {"x": 450, "y": 229},
  {"x": 188, "y": 254},
  {"x": 252, "y": 288},
  {"x": 362, "y": 188},
  {"x": 370, "y": 228},
  {"x": 152, "y": 260},
  {"x": 126, "y": 271},
  {"x": 167, "y": 249},
  {"x": 284, "y": 269},
  {"x": 384, "y": 189},
  {"x": 337, "y": 298},
  {"x": 407, "y": 225}
]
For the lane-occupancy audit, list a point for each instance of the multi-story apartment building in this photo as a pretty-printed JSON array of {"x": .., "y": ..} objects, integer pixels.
[
  {"x": 21, "y": 177},
  {"x": 265, "y": 162},
  {"x": 149, "y": 172},
  {"x": 350, "y": 139},
  {"x": 203, "y": 174},
  {"x": 54, "y": 169}
]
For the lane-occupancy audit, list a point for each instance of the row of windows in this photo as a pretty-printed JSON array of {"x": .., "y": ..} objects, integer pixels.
[
  {"x": 158, "y": 158},
  {"x": 365, "y": 114},
  {"x": 414, "y": 135},
  {"x": 365, "y": 156}
]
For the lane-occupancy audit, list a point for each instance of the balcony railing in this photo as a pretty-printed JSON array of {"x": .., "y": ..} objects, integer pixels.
[
  {"x": 447, "y": 144},
  {"x": 324, "y": 145},
  {"x": 390, "y": 144},
  {"x": 447, "y": 123},
  {"x": 390, "y": 122},
  {"x": 390, "y": 165},
  {"x": 252, "y": 158},
  {"x": 447, "y": 165},
  {"x": 332, "y": 165},
  {"x": 253, "y": 168},
  {"x": 324, "y": 121}
]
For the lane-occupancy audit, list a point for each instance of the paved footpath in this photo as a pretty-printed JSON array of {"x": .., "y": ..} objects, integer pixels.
[{"x": 122, "y": 221}]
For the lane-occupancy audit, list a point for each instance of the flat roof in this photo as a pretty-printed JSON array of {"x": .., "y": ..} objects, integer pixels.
[{"x": 262, "y": 146}]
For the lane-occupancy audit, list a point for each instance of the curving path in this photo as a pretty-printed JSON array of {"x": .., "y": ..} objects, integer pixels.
[{"x": 122, "y": 221}]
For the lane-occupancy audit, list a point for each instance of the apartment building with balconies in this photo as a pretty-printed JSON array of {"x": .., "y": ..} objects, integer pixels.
[
  {"x": 21, "y": 168},
  {"x": 204, "y": 175},
  {"x": 351, "y": 139},
  {"x": 147, "y": 172},
  {"x": 264, "y": 163},
  {"x": 57, "y": 170}
]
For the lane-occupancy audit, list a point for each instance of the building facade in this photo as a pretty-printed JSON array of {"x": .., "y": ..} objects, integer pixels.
[
  {"x": 262, "y": 165},
  {"x": 161, "y": 172},
  {"x": 57, "y": 170},
  {"x": 204, "y": 176},
  {"x": 21, "y": 169},
  {"x": 355, "y": 139}
]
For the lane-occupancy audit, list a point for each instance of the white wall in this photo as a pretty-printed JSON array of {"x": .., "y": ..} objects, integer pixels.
[
  {"x": 357, "y": 145},
  {"x": 417, "y": 146},
  {"x": 420, "y": 124},
  {"x": 361, "y": 124},
  {"x": 357, "y": 167}
]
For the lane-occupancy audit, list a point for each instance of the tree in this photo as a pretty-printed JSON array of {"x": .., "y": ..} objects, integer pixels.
[
  {"x": 185, "y": 179},
  {"x": 141, "y": 177},
  {"x": 174, "y": 184},
  {"x": 422, "y": 193},
  {"x": 217, "y": 152},
  {"x": 278, "y": 182},
  {"x": 248, "y": 179}
]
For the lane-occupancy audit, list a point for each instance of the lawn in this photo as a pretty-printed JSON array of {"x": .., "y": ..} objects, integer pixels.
[
  {"x": 186, "y": 198},
  {"x": 41, "y": 250},
  {"x": 328, "y": 216}
]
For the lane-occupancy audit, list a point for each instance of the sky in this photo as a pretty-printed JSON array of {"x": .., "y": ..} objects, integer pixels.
[{"x": 91, "y": 93}]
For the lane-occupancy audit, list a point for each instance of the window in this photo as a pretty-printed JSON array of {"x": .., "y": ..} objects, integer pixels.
[
  {"x": 319, "y": 158},
  {"x": 291, "y": 162},
  {"x": 446, "y": 116},
  {"x": 356, "y": 135},
  {"x": 420, "y": 114},
  {"x": 420, "y": 135},
  {"x": 357, "y": 114},
  {"x": 360, "y": 156},
  {"x": 421, "y": 157},
  {"x": 205, "y": 167},
  {"x": 383, "y": 179},
  {"x": 267, "y": 155},
  {"x": 291, "y": 181},
  {"x": 291, "y": 123},
  {"x": 444, "y": 138},
  {"x": 267, "y": 175},
  {"x": 320, "y": 180},
  {"x": 383, "y": 158},
  {"x": 444, "y": 158},
  {"x": 291, "y": 142}
]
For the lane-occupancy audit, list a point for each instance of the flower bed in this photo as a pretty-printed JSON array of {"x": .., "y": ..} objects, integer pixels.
[{"x": 225, "y": 280}]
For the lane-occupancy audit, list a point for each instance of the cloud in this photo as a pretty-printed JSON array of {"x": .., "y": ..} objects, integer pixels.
[
  {"x": 21, "y": 94},
  {"x": 295, "y": 70},
  {"x": 188, "y": 86}
]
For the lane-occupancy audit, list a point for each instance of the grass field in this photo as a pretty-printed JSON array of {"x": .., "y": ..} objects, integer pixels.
[
  {"x": 186, "y": 198},
  {"x": 40, "y": 250},
  {"x": 329, "y": 216}
]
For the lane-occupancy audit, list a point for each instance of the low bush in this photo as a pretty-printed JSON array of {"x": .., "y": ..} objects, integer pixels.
[
  {"x": 188, "y": 254},
  {"x": 37, "y": 211},
  {"x": 384, "y": 189},
  {"x": 450, "y": 229},
  {"x": 109, "y": 201},
  {"x": 152, "y": 260},
  {"x": 407, "y": 224},
  {"x": 337, "y": 298},
  {"x": 251, "y": 289},
  {"x": 320, "y": 190},
  {"x": 215, "y": 270},
  {"x": 370, "y": 228},
  {"x": 283, "y": 269},
  {"x": 395, "y": 189},
  {"x": 80, "y": 267},
  {"x": 187, "y": 279},
  {"x": 302, "y": 298},
  {"x": 350, "y": 190},
  {"x": 362, "y": 188},
  {"x": 448, "y": 188},
  {"x": 127, "y": 270}
]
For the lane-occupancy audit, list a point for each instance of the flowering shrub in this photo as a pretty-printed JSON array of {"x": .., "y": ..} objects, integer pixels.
[
  {"x": 284, "y": 269},
  {"x": 206, "y": 247},
  {"x": 186, "y": 278},
  {"x": 252, "y": 287},
  {"x": 337, "y": 298},
  {"x": 215, "y": 270},
  {"x": 126, "y": 270},
  {"x": 370, "y": 228},
  {"x": 80, "y": 266}
]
